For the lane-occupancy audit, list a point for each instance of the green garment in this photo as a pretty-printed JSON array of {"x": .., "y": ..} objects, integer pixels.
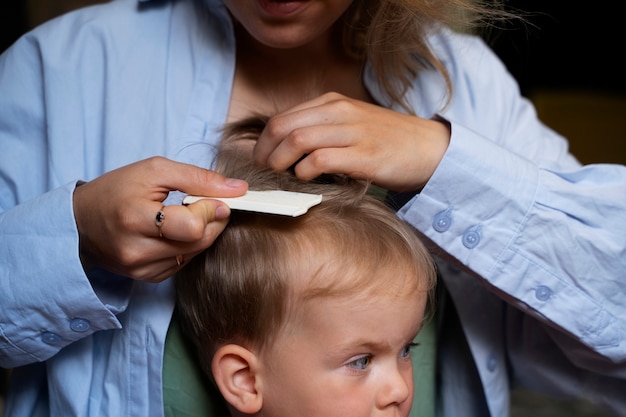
[
  {"x": 187, "y": 392},
  {"x": 424, "y": 358}
]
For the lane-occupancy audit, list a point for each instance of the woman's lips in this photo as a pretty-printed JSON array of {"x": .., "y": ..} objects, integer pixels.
[{"x": 281, "y": 8}]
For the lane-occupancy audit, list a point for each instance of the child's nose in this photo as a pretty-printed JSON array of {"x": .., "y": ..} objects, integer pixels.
[{"x": 396, "y": 388}]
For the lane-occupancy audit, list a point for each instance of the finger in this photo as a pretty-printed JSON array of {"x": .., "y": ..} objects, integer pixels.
[
  {"x": 162, "y": 269},
  {"x": 283, "y": 125},
  {"x": 168, "y": 266},
  {"x": 157, "y": 271},
  {"x": 171, "y": 175},
  {"x": 376, "y": 164},
  {"x": 288, "y": 139},
  {"x": 334, "y": 161},
  {"x": 303, "y": 143},
  {"x": 164, "y": 258},
  {"x": 201, "y": 221}
]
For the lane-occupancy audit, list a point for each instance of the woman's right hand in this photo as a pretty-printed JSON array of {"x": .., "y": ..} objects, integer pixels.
[
  {"x": 116, "y": 216},
  {"x": 335, "y": 134}
]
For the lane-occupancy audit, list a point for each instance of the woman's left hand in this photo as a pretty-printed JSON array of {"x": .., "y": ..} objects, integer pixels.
[{"x": 336, "y": 134}]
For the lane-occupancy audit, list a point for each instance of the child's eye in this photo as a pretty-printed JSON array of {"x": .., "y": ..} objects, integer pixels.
[
  {"x": 360, "y": 363},
  {"x": 406, "y": 351}
]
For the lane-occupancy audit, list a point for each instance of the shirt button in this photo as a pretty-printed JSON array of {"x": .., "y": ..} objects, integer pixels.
[
  {"x": 492, "y": 363},
  {"x": 543, "y": 293},
  {"x": 472, "y": 237},
  {"x": 79, "y": 325},
  {"x": 442, "y": 221},
  {"x": 50, "y": 338}
]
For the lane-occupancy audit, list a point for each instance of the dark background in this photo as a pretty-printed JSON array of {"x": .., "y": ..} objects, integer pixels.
[
  {"x": 564, "y": 46},
  {"x": 13, "y": 22}
]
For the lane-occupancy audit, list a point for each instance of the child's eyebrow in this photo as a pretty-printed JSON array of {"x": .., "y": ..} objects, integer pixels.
[
  {"x": 353, "y": 347},
  {"x": 368, "y": 345}
]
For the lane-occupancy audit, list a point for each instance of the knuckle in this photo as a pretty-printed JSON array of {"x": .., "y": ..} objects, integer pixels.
[
  {"x": 320, "y": 159},
  {"x": 297, "y": 139},
  {"x": 155, "y": 162},
  {"x": 332, "y": 95},
  {"x": 342, "y": 105},
  {"x": 144, "y": 274},
  {"x": 275, "y": 126},
  {"x": 127, "y": 256}
]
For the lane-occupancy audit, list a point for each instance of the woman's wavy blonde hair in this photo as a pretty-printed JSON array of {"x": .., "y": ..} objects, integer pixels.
[{"x": 393, "y": 36}]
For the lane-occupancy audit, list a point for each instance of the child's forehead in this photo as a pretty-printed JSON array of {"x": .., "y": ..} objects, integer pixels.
[
  {"x": 372, "y": 318},
  {"x": 358, "y": 279}
]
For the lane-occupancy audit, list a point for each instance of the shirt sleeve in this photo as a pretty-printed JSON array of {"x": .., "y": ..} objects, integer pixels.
[
  {"x": 47, "y": 299},
  {"x": 508, "y": 201}
]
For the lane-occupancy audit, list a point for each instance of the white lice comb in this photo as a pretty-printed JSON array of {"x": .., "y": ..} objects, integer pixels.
[{"x": 286, "y": 203}]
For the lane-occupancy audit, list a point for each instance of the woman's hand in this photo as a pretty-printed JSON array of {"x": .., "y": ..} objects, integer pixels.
[
  {"x": 116, "y": 215},
  {"x": 340, "y": 135}
]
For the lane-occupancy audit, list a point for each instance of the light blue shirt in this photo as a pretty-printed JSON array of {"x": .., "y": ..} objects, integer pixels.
[{"x": 538, "y": 242}]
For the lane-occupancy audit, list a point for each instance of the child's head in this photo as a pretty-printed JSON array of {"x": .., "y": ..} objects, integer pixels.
[{"x": 312, "y": 315}]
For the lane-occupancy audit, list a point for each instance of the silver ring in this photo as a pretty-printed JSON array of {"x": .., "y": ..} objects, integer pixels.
[
  {"x": 159, "y": 219},
  {"x": 179, "y": 260}
]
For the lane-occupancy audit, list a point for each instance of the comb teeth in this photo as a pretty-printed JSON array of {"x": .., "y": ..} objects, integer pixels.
[{"x": 285, "y": 203}]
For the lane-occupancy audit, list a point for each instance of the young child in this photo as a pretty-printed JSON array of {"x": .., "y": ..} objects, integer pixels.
[{"x": 314, "y": 315}]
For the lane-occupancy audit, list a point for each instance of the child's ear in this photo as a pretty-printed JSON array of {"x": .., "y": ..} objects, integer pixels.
[{"x": 235, "y": 372}]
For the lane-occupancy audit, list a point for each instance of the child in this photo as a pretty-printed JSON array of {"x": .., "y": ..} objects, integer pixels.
[{"x": 313, "y": 315}]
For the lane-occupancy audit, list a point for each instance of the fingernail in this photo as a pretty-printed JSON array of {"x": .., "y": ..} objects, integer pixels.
[
  {"x": 235, "y": 183},
  {"x": 222, "y": 212}
]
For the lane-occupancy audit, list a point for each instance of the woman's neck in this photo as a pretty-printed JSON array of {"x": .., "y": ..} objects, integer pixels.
[{"x": 285, "y": 77}]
